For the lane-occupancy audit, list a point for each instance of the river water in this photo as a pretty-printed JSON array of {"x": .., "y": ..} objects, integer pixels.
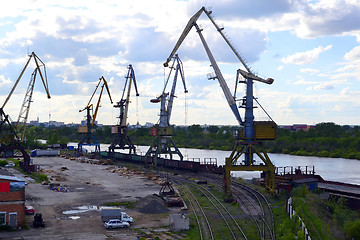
[{"x": 331, "y": 169}]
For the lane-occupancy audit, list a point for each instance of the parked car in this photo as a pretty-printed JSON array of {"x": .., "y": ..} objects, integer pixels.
[
  {"x": 116, "y": 223},
  {"x": 29, "y": 210},
  {"x": 10, "y": 165},
  {"x": 115, "y": 213}
]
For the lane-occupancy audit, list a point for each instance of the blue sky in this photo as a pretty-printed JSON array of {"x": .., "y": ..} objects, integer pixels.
[{"x": 310, "y": 48}]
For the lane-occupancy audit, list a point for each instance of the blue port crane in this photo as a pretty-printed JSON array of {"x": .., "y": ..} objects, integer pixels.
[
  {"x": 163, "y": 142},
  {"x": 251, "y": 133}
]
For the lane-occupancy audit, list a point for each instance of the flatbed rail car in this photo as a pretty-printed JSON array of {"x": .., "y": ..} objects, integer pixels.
[{"x": 193, "y": 166}]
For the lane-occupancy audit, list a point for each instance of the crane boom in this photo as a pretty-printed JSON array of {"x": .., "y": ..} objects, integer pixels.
[
  {"x": 17, "y": 81},
  {"x": 230, "y": 99},
  {"x": 24, "y": 111},
  {"x": 179, "y": 69},
  {"x": 208, "y": 13},
  {"x": 45, "y": 83},
  {"x": 187, "y": 29},
  {"x": 22, "y": 72},
  {"x": 90, "y": 105},
  {"x": 125, "y": 101}
]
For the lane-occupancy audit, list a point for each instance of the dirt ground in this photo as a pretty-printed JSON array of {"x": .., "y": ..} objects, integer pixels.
[{"x": 76, "y": 214}]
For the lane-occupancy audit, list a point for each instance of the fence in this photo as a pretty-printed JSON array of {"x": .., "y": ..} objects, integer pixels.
[{"x": 292, "y": 214}]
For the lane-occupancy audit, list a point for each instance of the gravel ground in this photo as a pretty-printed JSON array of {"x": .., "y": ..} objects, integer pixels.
[{"x": 90, "y": 187}]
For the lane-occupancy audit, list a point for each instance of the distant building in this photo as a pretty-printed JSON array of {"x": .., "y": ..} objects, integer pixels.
[
  {"x": 12, "y": 200},
  {"x": 297, "y": 127},
  {"x": 83, "y": 123},
  {"x": 56, "y": 124},
  {"x": 148, "y": 125}
]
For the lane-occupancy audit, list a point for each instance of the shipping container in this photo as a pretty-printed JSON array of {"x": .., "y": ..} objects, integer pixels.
[
  {"x": 48, "y": 152},
  {"x": 136, "y": 158},
  {"x": 103, "y": 153}
]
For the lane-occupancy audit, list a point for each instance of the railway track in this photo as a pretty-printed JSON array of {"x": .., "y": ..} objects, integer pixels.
[
  {"x": 253, "y": 203},
  {"x": 216, "y": 213},
  {"x": 204, "y": 227},
  {"x": 256, "y": 205},
  {"x": 215, "y": 209}
]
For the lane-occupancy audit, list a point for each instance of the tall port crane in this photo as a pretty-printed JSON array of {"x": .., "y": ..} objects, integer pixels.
[
  {"x": 88, "y": 137},
  {"x": 11, "y": 138},
  {"x": 121, "y": 139},
  {"x": 163, "y": 143},
  {"x": 251, "y": 133}
]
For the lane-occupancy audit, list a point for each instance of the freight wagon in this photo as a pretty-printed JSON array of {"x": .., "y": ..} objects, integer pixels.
[
  {"x": 42, "y": 153},
  {"x": 168, "y": 163}
]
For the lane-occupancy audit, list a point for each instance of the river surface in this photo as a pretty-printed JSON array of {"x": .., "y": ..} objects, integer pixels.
[{"x": 331, "y": 169}]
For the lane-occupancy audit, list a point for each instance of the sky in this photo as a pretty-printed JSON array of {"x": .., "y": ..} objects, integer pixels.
[{"x": 310, "y": 48}]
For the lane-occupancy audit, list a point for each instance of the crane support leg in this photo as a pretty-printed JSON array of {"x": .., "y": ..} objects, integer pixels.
[
  {"x": 163, "y": 145},
  {"x": 268, "y": 167}
]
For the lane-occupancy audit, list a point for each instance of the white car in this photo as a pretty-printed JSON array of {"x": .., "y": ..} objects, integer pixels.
[
  {"x": 116, "y": 223},
  {"x": 10, "y": 165}
]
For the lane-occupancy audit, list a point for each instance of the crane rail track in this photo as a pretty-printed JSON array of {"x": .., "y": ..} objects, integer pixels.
[
  {"x": 255, "y": 203},
  {"x": 232, "y": 226},
  {"x": 205, "y": 230},
  {"x": 258, "y": 207}
]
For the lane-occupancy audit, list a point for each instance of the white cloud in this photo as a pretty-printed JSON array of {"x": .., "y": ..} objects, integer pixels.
[
  {"x": 353, "y": 54},
  {"x": 4, "y": 81},
  {"x": 4, "y": 62},
  {"x": 347, "y": 92},
  {"x": 311, "y": 71},
  {"x": 307, "y": 57},
  {"x": 324, "y": 86},
  {"x": 326, "y": 17},
  {"x": 304, "y": 82}
]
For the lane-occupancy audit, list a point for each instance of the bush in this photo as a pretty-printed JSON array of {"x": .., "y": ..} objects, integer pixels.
[
  {"x": 3, "y": 163},
  {"x": 351, "y": 155},
  {"x": 352, "y": 229},
  {"x": 39, "y": 177},
  {"x": 323, "y": 154}
]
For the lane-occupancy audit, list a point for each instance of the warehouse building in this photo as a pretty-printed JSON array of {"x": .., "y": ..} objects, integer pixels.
[{"x": 12, "y": 200}]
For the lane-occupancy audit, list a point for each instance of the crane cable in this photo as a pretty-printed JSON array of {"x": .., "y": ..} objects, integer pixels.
[
  {"x": 186, "y": 118},
  {"x": 137, "y": 110}
]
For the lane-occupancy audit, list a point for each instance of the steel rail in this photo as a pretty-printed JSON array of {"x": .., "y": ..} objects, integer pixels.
[
  {"x": 255, "y": 193},
  {"x": 240, "y": 197},
  {"x": 201, "y": 209},
  {"x": 222, "y": 205},
  {"x": 195, "y": 214}
]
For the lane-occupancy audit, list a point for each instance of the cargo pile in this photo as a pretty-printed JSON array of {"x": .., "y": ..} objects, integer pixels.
[
  {"x": 152, "y": 204},
  {"x": 124, "y": 171}
]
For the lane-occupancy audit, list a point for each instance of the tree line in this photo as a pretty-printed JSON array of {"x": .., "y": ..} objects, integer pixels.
[{"x": 324, "y": 140}]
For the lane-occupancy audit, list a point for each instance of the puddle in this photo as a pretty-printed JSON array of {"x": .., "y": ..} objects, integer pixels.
[
  {"x": 74, "y": 211},
  {"x": 74, "y": 217},
  {"x": 83, "y": 209}
]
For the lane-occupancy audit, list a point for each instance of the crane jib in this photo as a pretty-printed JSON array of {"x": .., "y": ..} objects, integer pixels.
[{"x": 235, "y": 110}]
